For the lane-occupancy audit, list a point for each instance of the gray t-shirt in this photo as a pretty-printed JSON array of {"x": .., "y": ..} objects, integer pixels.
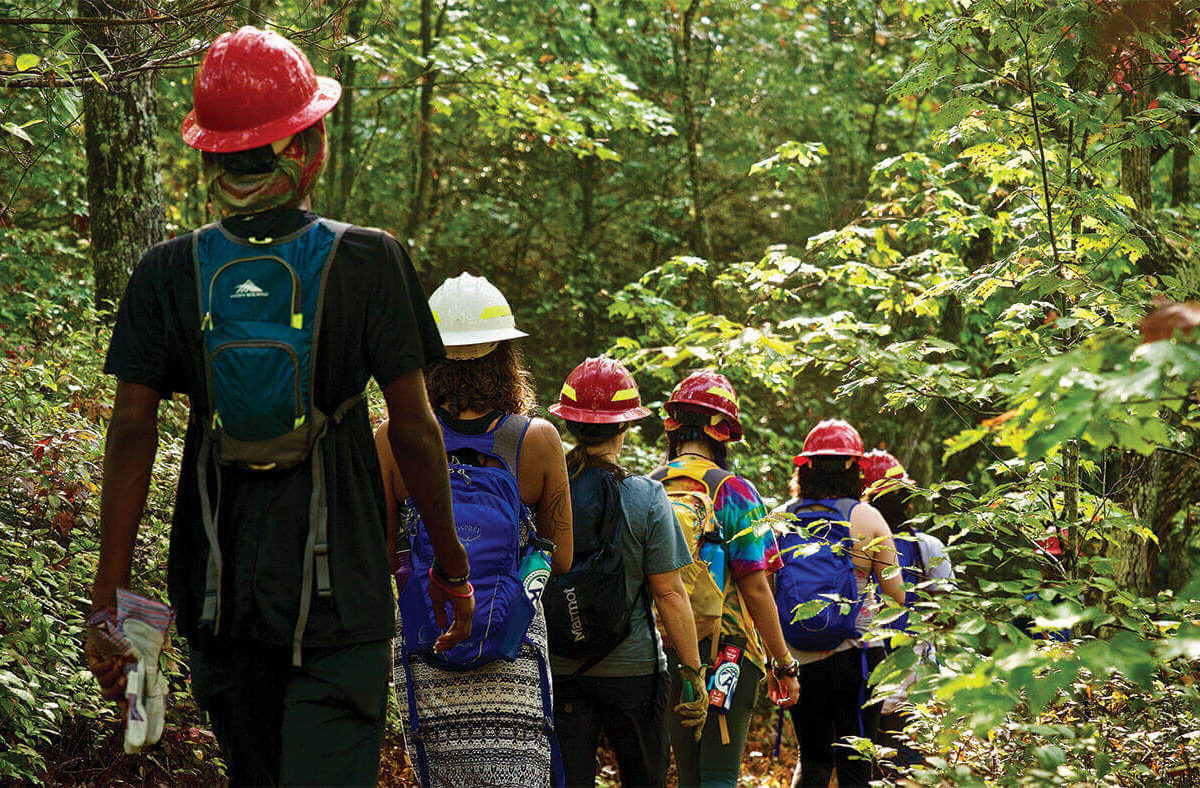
[
  {"x": 937, "y": 563},
  {"x": 653, "y": 544}
]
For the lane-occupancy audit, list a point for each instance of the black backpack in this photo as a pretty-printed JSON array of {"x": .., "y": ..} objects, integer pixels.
[{"x": 588, "y": 609}]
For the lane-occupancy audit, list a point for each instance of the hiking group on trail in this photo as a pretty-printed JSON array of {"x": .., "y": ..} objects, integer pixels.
[{"x": 520, "y": 601}]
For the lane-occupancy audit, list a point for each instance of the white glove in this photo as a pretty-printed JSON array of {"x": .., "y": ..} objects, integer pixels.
[{"x": 144, "y": 687}]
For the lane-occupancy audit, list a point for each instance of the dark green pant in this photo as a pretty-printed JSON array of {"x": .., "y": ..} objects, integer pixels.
[
  {"x": 710, "y": 763},
  {"x": 318, "y": 724}
]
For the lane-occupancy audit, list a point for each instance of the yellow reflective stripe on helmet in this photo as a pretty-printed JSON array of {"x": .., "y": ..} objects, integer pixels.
[
  {"x": 625, "y": 394},
  {"x": 722, "y": 392},
  {"x": 569, "y": 392},
  {"x": 499, "y": 310}
]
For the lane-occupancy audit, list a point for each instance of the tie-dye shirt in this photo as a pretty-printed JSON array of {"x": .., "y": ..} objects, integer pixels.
[{"x": 749, "y": 543}]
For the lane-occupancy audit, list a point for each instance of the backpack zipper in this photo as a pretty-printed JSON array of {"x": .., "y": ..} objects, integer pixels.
[
  {"x": 297, "y": 317},
  {"x": 300, "y": 416}
]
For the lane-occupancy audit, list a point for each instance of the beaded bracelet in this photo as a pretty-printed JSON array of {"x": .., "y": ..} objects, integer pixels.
[{"x": 433, "y": 578}]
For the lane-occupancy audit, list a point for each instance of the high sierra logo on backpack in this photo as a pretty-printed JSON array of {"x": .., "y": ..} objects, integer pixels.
[
  {"x": 261, "y": 304},
  {"x": 588, "y": 609},
  {"x": 815, "y": 591}
]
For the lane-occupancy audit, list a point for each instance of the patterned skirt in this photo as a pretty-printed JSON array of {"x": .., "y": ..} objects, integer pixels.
[{"x": 482, "y": 727}]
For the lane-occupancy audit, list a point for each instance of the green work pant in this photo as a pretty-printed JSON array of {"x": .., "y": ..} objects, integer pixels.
[
  {"x": 710, "y": 763},
  {"x": 318, "y": 724}
]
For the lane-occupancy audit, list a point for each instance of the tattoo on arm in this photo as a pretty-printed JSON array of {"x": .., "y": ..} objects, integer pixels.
[{"x": 555, "y": 508}]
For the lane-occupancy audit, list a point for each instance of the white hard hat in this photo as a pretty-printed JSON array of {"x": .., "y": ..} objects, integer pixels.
[{"x": 472, "y": 316}]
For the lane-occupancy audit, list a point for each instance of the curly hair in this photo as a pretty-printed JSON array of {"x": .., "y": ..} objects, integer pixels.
[{"x": 498, "y": 381}]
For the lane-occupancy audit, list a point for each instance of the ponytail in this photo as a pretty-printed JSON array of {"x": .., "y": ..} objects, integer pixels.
[{"x": 588, "y": 435}]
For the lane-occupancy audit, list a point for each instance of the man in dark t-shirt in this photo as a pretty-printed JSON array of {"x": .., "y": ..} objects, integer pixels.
[{"x": 287, "y": 703}]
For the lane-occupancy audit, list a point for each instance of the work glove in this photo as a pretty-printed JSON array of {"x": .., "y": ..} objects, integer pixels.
[
  {"x": 693, "y": 700},
  {"x": 144, "y": 687}
]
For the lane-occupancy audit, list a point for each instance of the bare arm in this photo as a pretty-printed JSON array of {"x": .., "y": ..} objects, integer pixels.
[
  {"x": 416, "y": 444},
  {"x": 675, "y": 610},
  {"x": 549, "y": 491},
  {"x": 129, "y": 450},
  {"x": 874, "y": 543},
  {"x": 393, "y": 486}
]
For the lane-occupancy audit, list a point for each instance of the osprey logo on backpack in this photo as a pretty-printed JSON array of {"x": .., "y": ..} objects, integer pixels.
[{"x": 248, "y": 289}]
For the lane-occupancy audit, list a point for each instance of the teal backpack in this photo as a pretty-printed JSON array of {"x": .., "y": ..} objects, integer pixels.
[{"x": 260, "y": 304}]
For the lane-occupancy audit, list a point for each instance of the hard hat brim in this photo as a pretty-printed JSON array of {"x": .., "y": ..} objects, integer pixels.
[
  {"x": 328, "y": 93},
  {"x": 458, "y": 338},
  {"x": 801, "y": 459},
  {"x": 597, "y": 417}
]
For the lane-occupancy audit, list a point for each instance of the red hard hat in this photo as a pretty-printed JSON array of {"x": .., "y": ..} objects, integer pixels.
[
  {"x": 1049, "y": 543},
  {"x": 882, "y": 473},
  {"x": 707, "y": 392},
  {"x": 831, "y": 438},
  {"x": 600, "y": 391},
  {"x": 254, "y": 87}
]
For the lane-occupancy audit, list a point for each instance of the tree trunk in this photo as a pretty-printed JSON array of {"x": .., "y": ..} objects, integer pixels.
[
  {"x": 1181, "y": 157},
  {"x": 124, "y": 188},
  {"x": 691, "y": 130},
  {"x": 339, "y": 175},
  {"x": 419, "y": 205},
  {"x": 1135, "y": 162}
]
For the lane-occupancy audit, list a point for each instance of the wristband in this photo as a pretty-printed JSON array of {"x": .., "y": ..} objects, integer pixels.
[
  {"x": 433, "y": 578},
  {"x": 789, "y": 670},
  {"x": 445, "y": 577}
]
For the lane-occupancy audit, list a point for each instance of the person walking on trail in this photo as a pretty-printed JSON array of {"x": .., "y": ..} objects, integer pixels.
[
  {"x": 483, "y": 715},
  {"x": 271, "y": 322},
  {"x": 610, "y": 671},
  {"x": 924, "y": 568},
  {"x": 833, "y": 546},
  {"x": 739, "y": 546}
]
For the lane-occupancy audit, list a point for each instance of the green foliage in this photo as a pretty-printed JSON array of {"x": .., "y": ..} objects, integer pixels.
[
  {"x": 56, "y": 405},
  {"x": 922, "y": 219}
]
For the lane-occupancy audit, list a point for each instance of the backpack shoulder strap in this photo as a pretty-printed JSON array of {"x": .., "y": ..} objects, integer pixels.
[
  {"x": 658, "y": 474},
  {"x": 334, "y": 224},
  {"x": 510, "y": 434},
  {"x": 714, "y": 478},
  {"x": 845, "y": 506},
  {"x": 614, "y": 511}
]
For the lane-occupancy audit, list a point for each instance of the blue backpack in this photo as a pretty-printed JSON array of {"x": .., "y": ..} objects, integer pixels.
[
  {"x": 261, "y": 302},
  {"x": 817, "y": 568},
  {"x": 489, "y": 518}
]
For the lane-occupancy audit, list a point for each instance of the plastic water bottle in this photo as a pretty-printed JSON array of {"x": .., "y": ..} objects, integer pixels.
[
  {"x": 535, "y": 570},
  {"x": 712, "y": 550}
]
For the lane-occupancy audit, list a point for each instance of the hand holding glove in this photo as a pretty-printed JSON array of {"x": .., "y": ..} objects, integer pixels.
[
  {"x": 144, "y": 686},
  {"x": 693, "y": 700}
]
